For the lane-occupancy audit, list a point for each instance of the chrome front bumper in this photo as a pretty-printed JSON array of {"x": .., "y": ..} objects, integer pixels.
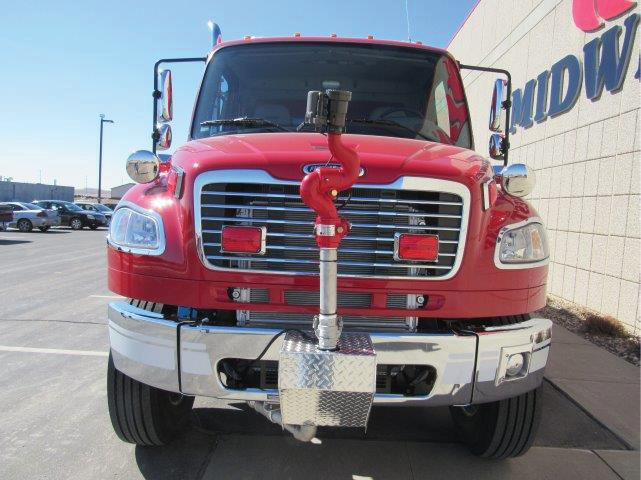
[{"x": 470, "y": 368}]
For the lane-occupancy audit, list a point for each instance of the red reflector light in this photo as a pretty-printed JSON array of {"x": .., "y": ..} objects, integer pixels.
[
  {"x": 236, "y": 239},
  {"x": 410, "y": 246}
]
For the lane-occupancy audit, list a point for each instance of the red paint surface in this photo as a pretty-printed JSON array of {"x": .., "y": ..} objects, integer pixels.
[{"x": 178, "y": 277}]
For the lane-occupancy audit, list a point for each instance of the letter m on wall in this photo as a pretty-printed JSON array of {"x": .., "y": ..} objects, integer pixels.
[
  {"x": 522, "y": 102},
  {"x": 604, "y": 65}
]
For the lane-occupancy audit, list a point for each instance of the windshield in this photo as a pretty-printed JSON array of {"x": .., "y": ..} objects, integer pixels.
[
  {"x": 72, "y": 206},
  {"x": 31, "y": 206},
  {"x": 396, "y": 91},
  {"x": 101, "y": 208}
]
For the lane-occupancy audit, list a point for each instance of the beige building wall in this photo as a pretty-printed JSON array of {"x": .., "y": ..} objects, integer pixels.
[{"x": 586, "y": 160}]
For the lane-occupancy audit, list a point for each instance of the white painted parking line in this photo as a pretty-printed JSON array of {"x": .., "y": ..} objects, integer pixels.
[
  {"x": 106, "y": 296},
  {"x": 55, "y": 351}
]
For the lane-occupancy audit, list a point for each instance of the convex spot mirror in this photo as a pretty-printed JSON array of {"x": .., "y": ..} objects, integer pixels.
[
  {"x": 496, "y": 108},
  {"x": 517, "y": 180},
  {"x": 143, "y": 166},
  {"x": 166, "y": 108}
]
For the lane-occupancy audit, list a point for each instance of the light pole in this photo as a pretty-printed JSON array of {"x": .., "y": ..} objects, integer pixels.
[{"x": 102, "y": 121}]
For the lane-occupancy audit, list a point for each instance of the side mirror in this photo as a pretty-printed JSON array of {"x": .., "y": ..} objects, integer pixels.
[
  {"x": 517, "y": 180},
  {"x": 166, "y": 110},
  {"x": 496, "y": 108},
  {"x": 496, "y": 146},
  {"x": 143, "y": 166},
  {"x": 164, "y": 137}
]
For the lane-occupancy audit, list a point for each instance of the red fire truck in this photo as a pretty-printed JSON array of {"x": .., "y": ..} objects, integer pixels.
[{"x": 327, "y": 241}]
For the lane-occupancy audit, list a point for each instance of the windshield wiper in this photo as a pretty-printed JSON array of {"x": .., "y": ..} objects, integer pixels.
[
  {"x": 390, "y": 123},
  {"x": 244, "y": 122}
]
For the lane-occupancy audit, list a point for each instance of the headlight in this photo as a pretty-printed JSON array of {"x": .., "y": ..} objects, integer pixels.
[
  {"x": 136, "y": 232},
  {"x": 90, "y": 217},
  {"x": 522, "y": 243}
]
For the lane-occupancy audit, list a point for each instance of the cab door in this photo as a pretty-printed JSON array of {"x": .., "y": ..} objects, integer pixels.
[{"x": 65, "y": 215}]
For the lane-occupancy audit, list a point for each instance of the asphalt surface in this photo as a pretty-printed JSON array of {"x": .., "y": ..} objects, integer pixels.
[{"x": 53, "y": 409}]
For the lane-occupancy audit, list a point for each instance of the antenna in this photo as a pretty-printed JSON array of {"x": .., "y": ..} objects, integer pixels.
[{"x": 407, "y": 17}]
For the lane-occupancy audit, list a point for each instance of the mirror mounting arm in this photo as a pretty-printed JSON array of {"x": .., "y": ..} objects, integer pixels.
[
  {"x": 156, "y": 93},
  {"x": 507, "y": 103}
]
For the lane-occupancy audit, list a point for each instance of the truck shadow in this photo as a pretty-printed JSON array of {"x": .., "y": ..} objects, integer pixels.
[{"x": 229, "y": 440}]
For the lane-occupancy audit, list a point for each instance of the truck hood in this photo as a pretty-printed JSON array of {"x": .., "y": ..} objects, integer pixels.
[{"x": 284, "y": 155}]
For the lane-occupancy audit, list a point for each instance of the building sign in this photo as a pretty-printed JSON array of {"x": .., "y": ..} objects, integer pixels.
[{"x": 605, "y": 63}]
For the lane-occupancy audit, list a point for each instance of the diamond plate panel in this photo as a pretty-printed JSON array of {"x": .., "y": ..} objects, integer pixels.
[{"x": 327, "y": 388}]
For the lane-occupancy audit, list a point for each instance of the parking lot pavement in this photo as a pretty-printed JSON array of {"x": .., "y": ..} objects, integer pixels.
[{"x": 54, "y": 420}]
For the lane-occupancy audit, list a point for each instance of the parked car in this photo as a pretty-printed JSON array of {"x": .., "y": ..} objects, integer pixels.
[
  {"x": 71, "y": 215},
  {"x": 97, "y": 207},
  {"x": 26, "y": 216},
  {"x": 6, "y": 216}
]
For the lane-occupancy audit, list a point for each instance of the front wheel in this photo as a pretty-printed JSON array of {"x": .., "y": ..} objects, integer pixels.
[
  {"x": 76, "y": 224},
  {"x": 25, "y": 225},
  {"x": 141, "y": 414},
  {"x": 500, "y": 429},
  {"x": 93, "y": 226}
]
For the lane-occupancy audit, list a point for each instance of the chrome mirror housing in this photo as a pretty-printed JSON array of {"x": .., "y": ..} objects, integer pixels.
[
  {"x": 517, "y": 180},
  {"x": 496, "y": 146},
  {"x": 166, "y": 110},
  {"x": 164, "y": 137},
  {"x": 143, "y": 166},
  {"x": 496, "y": 108}
]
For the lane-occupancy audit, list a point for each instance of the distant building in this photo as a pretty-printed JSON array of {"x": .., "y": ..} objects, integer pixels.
[
  {"x": 26, "y": 192},
  {"x": 118, "y": 192}
]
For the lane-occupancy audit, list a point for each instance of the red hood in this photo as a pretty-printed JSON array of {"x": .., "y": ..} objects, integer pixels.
[{"x": 283, "y": 155}]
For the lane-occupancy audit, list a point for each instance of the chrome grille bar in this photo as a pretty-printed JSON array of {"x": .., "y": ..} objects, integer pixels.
[
  {"x": 339, "y": 199},
  {"x": 354, "y": 225},
  {"x": 375, "y": 213}
]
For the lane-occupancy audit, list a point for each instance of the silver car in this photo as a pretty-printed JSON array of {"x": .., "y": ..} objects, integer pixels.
[{"x": 26, "y": 216}]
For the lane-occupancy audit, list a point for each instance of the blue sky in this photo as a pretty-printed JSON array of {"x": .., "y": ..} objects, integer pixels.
[{"x": 65, "y": 62}]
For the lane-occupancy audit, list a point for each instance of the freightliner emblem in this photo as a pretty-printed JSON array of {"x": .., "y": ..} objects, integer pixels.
[{"x": 313, "y": 166}]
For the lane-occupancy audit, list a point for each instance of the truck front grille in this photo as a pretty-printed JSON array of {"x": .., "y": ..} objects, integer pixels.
[{"x": 376, "y": 213}]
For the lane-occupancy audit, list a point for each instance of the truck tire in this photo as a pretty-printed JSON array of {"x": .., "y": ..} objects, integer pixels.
[
  {"x": 141, "y": 414},
  {"x": 500, "y": 429}
]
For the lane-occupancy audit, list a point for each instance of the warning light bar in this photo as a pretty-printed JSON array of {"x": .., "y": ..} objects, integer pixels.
[{"x": 411, "y": 246}]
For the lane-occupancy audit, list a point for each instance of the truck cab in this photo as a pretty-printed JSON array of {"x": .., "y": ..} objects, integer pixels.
[{"x": 427, "y": 279}]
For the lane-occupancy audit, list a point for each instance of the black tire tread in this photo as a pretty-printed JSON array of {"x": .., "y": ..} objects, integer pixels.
[
  {"x": 142, "y": 414},
  {"x": 502, "y": 429}
]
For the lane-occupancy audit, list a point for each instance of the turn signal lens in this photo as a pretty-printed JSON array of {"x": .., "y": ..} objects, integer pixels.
[
  {"x": 237, "y": 239},
  {"x": 409, "y": 246}
]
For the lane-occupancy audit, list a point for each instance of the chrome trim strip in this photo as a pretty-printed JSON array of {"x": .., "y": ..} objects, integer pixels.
[
  {"x": 140, "y": 250},
  {"x": 485, "y": 188},
  {"x": 338, "y": 199},
  {"x": 353, "y": 212},
  {"x": 300, "y": 222},
  {"x": 403, "y": 183},
  {"x": 348, "y": 238},
  {"x": 518, "y": 266},
  {"x": 180, "y": 176}
]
